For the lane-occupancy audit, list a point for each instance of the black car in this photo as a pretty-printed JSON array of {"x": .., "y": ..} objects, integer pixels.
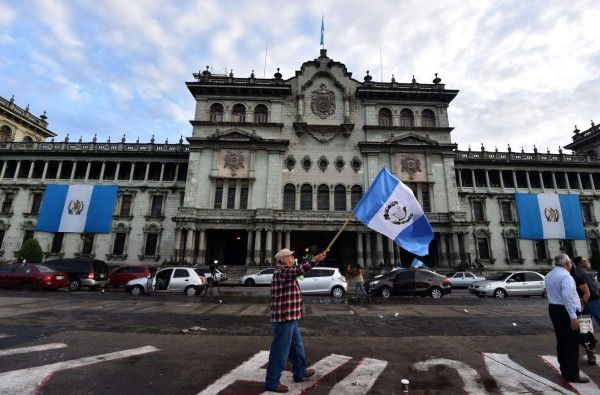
[
  {"x": 409, "y": 282},
  {"x": 91, "y": 273}
]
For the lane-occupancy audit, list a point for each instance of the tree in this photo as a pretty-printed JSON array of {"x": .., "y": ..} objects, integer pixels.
[
  {"x": 595, "y": 259},
  {"x": 31, "y": 252}
]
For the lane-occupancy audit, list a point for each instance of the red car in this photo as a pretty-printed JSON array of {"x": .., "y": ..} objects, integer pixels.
[
  {"x": 121, "y": 275},
  {"x": 29, "y": 276}
]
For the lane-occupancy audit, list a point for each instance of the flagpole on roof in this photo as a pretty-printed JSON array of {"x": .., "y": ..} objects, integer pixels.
[
  {"x": 350, "y": 216},
  {"x": 322, "y": 32}
]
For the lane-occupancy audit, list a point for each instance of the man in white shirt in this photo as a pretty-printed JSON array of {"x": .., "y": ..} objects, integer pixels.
[{"x": 563, "y": 309}]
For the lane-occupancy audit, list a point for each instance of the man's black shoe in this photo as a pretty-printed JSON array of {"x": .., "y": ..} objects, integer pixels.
[{"x": 579, "y": 379}]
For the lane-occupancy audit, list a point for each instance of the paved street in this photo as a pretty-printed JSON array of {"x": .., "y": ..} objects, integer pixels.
[{"x": 100, "y": 343}]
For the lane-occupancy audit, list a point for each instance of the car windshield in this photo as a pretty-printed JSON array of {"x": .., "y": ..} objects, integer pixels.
[
  {"x": 44, "y": 269},
  {"x": 499, "y": 276}
]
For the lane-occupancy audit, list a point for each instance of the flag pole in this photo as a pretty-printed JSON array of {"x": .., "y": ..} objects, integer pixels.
[{"x": 350, "y": 216}]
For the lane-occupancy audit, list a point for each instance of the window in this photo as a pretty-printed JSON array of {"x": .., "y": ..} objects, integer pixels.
[
  {"x": 151, "y": 244},
  {"x": 216, "y": 113},
  {"x": 5, "y": 133},
  {"x": 244, "y": 195},
  {"x": 126, "y": 205},
  {"x": 512, "y": 248},
  {"x": 466, "y": 177},
  {"x": 218, "y": 193},
  {"x": 426, "y": 199},
  {"x": 181, "y": 273},
  {"x": 494, "y": 176},
  {"x": 480, "y": 179},
  {"x": 323, "y": 197},
  {"x": 385, "y": 117},
  {"x": 483, "y": 248},
  {"x": 306, "y": 197},
  {"x": 478, "y": 211},
  {"x": 594, "y": 244},
  {"x": 57, "y": 241},
  {"x": 547, "y": 180},
  {"x": 289, "y": 197},
  {"x": 231, "y": 194},
  {"x": 261, "y": 114},
  {"x": 124, "y": 171},
  {"x": 406, "y": 118},
  {"x": 7, "y": 202},
  {"x": 238, "y": 113},
  {"x": 88, "y": 244},
  {"x": 157, "y": 206},
  {"x": 428, "y": 118},
  {"x": 566, "y": 246},
  {"x": 36, "y": 203},
  {"x": 355, "y": 195},
  {"x": 119, "y": 243},
  {"x": 507, "y": 213},
  {"x": 540, "y": 249},
  {"x": 586, "y": 210},
  {"x": 339, "y": 198}
]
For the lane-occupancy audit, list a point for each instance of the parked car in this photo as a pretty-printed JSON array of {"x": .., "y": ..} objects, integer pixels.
[
  {"x": 409, "y": 282},
  {"x": 263, "y": 277},
  {"x": 220, "y": 275},
  {"x": 122, "y": 275},
  {"x": 91, "y": 273},
  {"x": 169, "y": 279},
  {"x": 513, "y": 283},
  {"x": 30, "y": 276},
  {"x": 324, "y": 280},
  {"x": 463, "y": 279}
]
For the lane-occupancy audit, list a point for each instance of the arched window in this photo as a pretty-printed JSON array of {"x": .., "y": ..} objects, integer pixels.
[
  {"x": 323, "y": 197},
  {"x": 306, "y": 197},
  {"x": 289, "y": 197},
  {"x": 5, "y": 133},
  {"x": 238, "y": 113},
  {"x": 261, "y": 114},
  {"x": 407, "y": 118},
  {"x": 216, "y": 113},
  {"x": 355, "y": 195},
  {"x": 27, "y": 139},
  {"x": 385, "y": 117},
  {"x": 428, "y": 118},
  {"x": 339, "y": 198}
]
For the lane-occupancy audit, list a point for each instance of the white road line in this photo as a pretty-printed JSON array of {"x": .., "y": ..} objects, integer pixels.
[
  {"x": 362, "y": 378},
  {"x": 513, "y": 378},
  {"x": 3, "y": 335},
  {"x": 28, "y": 381},
  {"x": 470, "y": 377},
  {"x": 588, "y": 388},
  {"x": 249, "y": 370},
  {"x": 23, "y": 350}
]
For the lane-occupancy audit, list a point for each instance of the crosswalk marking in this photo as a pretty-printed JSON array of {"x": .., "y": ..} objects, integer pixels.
[
  {"x": 362, "y": 378},
  {"x": 23, "y": 350},
  {"x": 470, "y": 377},
  {"x": 27, "y": 381},
  {"x": 582, "y": 388}
]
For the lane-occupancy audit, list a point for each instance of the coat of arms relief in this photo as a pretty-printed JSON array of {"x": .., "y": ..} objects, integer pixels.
[
  {"x": 322, "y": 102},
  {"x": 410, "y": 164}
]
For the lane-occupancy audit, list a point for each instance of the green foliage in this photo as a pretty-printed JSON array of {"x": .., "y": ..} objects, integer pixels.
[
  {"x": 595, "y": 260},
  {"x": 31, "y": 251}
]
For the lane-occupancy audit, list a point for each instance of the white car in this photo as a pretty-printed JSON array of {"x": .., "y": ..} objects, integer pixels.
[
  {"x": 170, "y": 279},
  {"x": 220, "y": 276},
  {"x": 463, "y": 279},
  {"x": 324, "y": 280},
  {"x": 503, "y": 284},
  {"x": 264, "y": 277}
]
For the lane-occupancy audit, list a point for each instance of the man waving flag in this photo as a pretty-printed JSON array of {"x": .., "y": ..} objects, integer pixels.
[{"x": 390, "y": 207}]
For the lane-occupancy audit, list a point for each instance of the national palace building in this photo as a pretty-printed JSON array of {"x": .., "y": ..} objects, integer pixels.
[{"x": 276, "y": 162}]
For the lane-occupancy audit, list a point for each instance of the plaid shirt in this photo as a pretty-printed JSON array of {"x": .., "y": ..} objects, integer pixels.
[{"x": 286, "y": 298}]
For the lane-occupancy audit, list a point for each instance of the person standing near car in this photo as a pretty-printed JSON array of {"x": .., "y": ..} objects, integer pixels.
[
  {"x": 359, "y": 281},
  {"x": 286, "y": 311},
  {"x": 592, "y": 303},
  {"x": 564, "y": 307}
]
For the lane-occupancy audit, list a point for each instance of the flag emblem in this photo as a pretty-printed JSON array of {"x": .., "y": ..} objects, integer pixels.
[
  {"x": 75, "y": 207},
  {"x": 399, "y": 214},
  {"x": 551, "y": 214}
]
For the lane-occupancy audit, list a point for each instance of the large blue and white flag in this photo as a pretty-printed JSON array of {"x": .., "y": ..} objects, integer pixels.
[
  {"x": 390, "y": 208},
  {"x": 77, "y": 208},
  {"x": 549, "y": 216}
]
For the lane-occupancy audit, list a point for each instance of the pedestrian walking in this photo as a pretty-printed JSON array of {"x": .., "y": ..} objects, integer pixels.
[
  {"x": 359, "y": 281},
  {"x": 286, "y": 311},
  {"x": 564, "y": 307},
  {"x": 591, "y": 304}
]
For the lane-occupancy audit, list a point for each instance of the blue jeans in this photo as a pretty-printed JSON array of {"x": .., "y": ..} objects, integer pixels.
[
  {"x": 593, "y": 308},
  {"x": 362, "y": 288},
  {"x": 287, "y": 343}
]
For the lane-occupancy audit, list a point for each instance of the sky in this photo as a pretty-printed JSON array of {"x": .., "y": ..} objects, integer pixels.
[{"x": 527, "y": 71}]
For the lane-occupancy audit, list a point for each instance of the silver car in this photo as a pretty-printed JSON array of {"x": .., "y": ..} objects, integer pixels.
[
  {"x": 324, "y": 280},
  {"x": 515, "y": 283},
  {"x": 170, "y": 279},
  {"x": 264, "y": 277},
  {"x": 463, "y": 279}
]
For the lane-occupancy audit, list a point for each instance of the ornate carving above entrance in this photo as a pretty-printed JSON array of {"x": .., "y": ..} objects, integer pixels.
[
  {"x": 323, "y": 133},
  {"x": 234, "y": 160},
  {"x": 233, "y": 163},
  {"x": 322, "y": 102},
  {"x": 410, "y": 164}
]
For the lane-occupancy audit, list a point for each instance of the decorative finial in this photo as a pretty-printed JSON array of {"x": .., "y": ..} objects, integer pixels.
[
  {"x": 509, "y": 149},
  {"x": 522, "y": 150},
  {"x": 592, "y": 119},
  {"x": 393, "y": 79},
  {"x": 231, "y": 74},
  {"x": 437, "y": 80},
  {"x": 108, "y": 140},
  {"x": 123, "y": 139},
  {"x": 67, "y": 138},
  {"x": 252, "y": 74},
  {"x": 43, "y": 116},
  {"x": 151, "y": 140},
  {"x": 80, "y": 139},
  {"x": 414, "y": 81},
  {"x": 368, "y": 77},
  {"x": 535, "y": 149},
  {"x": 95, "y": 138},
  {"x": 137, "y": 141},
  {"x": 12, "y": 99},
  {"x": 469, "y": 148},
  {"x": 482, "y": 147},
  {"x": 576, "y": 130},
  {"x": 496, "y": 148},
  {"x": 206, "y": 73},
  {"x": 278, "y": 74},
  {"x": 181, "y": 140},
  {"x": 559, "y": 150},
  {"x": 27, "y": 110},
  {"x": 52, "y": 140}
]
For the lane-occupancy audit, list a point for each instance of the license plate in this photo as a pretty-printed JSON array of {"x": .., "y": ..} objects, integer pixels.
[
  {"x": 59, "y": 277},
  {"x": 102, "y": 275}
]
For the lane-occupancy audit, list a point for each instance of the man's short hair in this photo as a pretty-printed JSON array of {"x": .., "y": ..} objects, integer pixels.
[
  {"x": 577, "y": 260},
  {"x": 561, "y": 260}
]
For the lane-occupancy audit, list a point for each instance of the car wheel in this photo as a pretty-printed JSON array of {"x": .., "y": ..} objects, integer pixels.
[
  {"x": 249, "y": 282},
  {"x": 191, "y": 291},
  {"x": 75, "y": 284},
  {"x": 27, "y": 286},
  {"x": 499, "y": 293},
  {"x": 436, "y": 293},
  {"x": 337, "y": 292},
  {"x": 385, "y": 292},
  {"x": 137, "y": 290}
]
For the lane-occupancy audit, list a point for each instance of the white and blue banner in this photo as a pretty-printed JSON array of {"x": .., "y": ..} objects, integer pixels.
[
  {"x": 390, "y": 208},
  {"x": 550, "y": 216},
  {"x": 77, "y": 208}
]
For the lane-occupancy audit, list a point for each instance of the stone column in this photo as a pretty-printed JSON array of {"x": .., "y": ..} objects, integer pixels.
[
  {"x": 73, "y": 171},
  {"x": 456, "y": 259},
  {"x": 269, "y": 246},
  {"x": 459, "y": 179},
  {"x": 514, "y": 176},
  {"x": 579, "y": 181},
  {"x": 162, "y": 171},
  {"x": 528, "y": 180},
  {"x": 473, "y": 179},
  {"x": 59, "y": 170},
  {"x": 249, "y": 248},
  {"x": 147, "y": 172},
  {"x": 17, "y": 171},
  {"x": 379, "y": 252},
  {"x": 102, "y": 170},
  {"x": 30, "y": 173},
  {"x": 390, "y": 244},
  {"x": 257, "y": 250},
  {"x": 288, "y": 239},
  {"x": 176, "y": 172},
  {"x": 487, "y": 180},
  {"x": 88, "y": 167},
  {"x": 189, "y": 248},
  {"x": 369, "y": 258},
  {"x": 444, "y": 250},
  {"x": 133, "y": 164},
  {"x": 397, "y": 253},
  {"x": 554, "y": 181},
  {"x": 202, "y": 247},
  {"x": 589, "y": 175},
  {"x": 279, "y": 240},
  {"x": 178, "y": 246},
  {"x": 4, "y": 165},
  {"x": 359, "y": 249},
  {"x": 45, "y": 171},
  {"x": 117, "y": 172}
]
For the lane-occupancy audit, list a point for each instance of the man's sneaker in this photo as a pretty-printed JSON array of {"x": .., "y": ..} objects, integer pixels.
[
  {"x": 591, "y": 357},
  {"x": 309, "y": 373},
  {"x": 282, "y": 389}
]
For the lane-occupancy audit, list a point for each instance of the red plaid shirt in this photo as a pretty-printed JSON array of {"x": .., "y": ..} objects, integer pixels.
[{"x": 286, "y": 298}]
